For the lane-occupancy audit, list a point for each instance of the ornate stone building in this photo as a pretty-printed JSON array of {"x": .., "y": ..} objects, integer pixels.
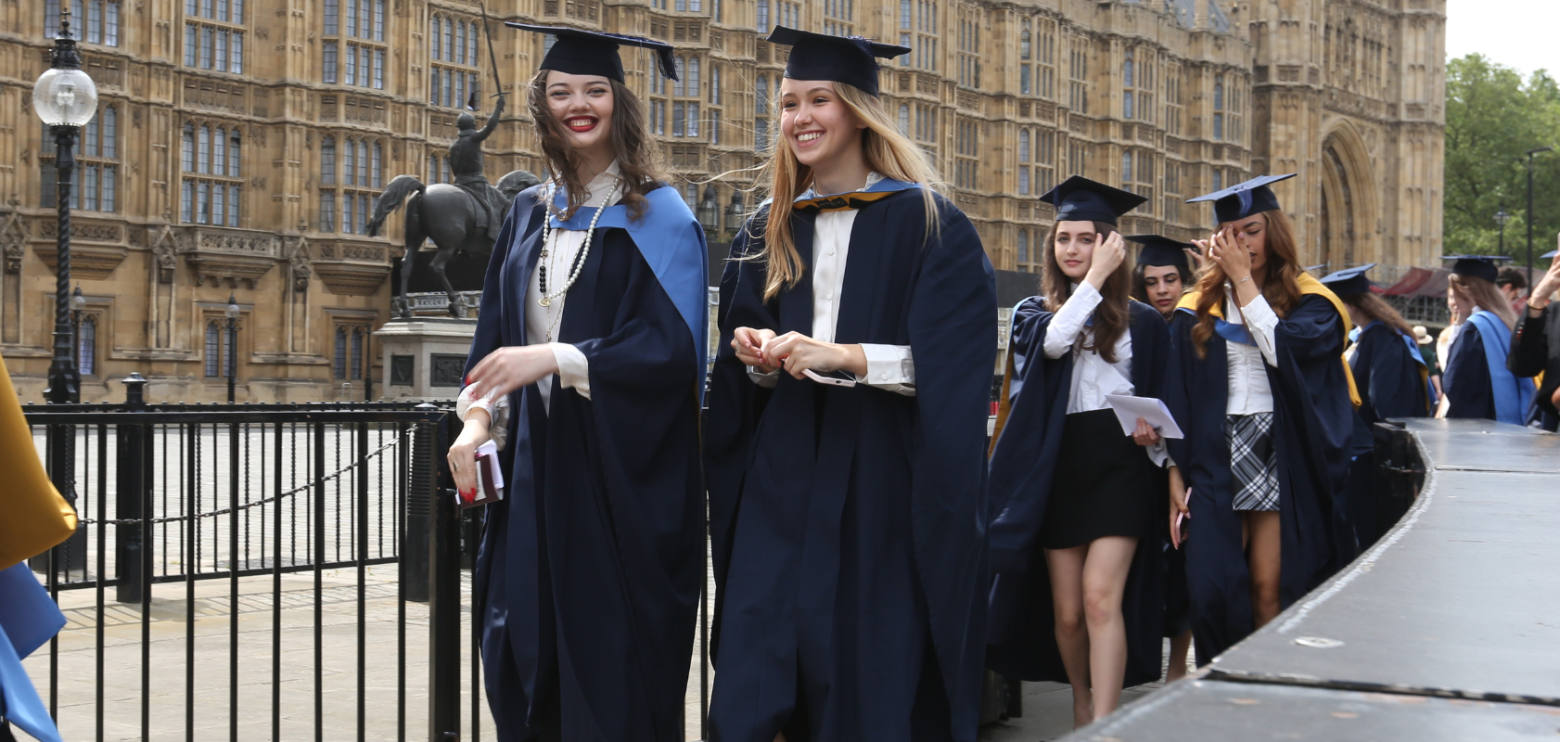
[{"x": 240, "y": 144}]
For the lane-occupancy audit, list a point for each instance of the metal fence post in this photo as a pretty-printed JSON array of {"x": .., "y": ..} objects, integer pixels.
[
  {"x": 419, "y": 499},
  {"x": 444, "y": 616},
  {"x": 133, "y": 485}
]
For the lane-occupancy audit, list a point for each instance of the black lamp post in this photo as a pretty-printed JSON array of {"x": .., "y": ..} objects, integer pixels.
[
  {"x": 709, "y": 211},
  {"x": 735, "y": 212},
  {"x": 66, "y": 99},
  {"x": 232, "y": 312},
  {"x": 1529, "y": 218},
  {"x": 1501, "y": 217}
]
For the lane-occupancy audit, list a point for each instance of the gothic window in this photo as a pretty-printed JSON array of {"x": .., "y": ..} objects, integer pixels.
[
  {"x": 213, "y": 349},
  {"x": 358, "y": 333},
  {"x": 714, "y": 85},
  {"x": 1045, "y": 157},
  {"x": 339, "y": 359},
  {"x": 904, "y": 119},
  {"x": 838, "y": 16},
  {"x": 93, "y": 21},
  {"x": 359, "y": 182},
  {"x": 1126, "y": 168},
  {"x": 1023, "y": 248},
  {"x": 918, "y": 30},
  {"x": 1218, "y": 107},
  {"x": 86, "y": 345},
  {"x": 761, "y": 114},
  {"x": 96, "y": 183},
  {"x": 1023, "y": 145},
  {"x": 327, "y": 183},
  {"x": 214, "y": 35},
  {"x": 354, "y": 52},
  {"x": 454, "y": 78},
  {"x": 969, "y": 48},
  {"x": 966, "y": 167},
  {"x": 211, "y": 186},
  {"x": 1023, "y": 159},
  {"x": 685, "y": 114},
  {"x": 763, "y": 16}
]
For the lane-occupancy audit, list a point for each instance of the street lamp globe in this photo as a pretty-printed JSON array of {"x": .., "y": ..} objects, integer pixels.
[
  {"x": 232, "y": 310},
  {"x": 77, "y": 301},
  {"x": 65, "y": 96}
]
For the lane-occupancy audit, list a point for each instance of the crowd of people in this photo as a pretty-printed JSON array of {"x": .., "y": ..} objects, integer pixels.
[{"x": 874, "y": 556}]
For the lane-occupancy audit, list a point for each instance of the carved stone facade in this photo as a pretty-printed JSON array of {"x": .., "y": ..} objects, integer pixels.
[{"x": 244, "y": 148}]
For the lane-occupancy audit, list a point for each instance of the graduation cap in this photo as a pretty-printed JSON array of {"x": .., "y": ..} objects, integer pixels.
[
  {"x": 848, "y": 59},
  {"x": 1477, "y": 266},
  {"x": 580, "y": 52},
  {"x": 1550, "y": 254},
  {"x": 1349, "y": 280},
  {"x": 1079, "y": 199},
  {"x": 1244, "y": 199},
  {"x": 1159, "y": 250}
]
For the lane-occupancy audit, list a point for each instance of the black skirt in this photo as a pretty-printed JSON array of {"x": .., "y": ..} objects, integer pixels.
[{"x": 1104, "y": 484}]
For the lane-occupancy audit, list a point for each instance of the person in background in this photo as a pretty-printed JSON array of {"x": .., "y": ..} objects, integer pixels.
[
  {"x": 1513, "y": 284},
  {"x": 1393, "y": 381},
  {"x": 846, "y": 437},
  {"x": 1427, "y": 351},
  {"x": 1535, "y": 350},
  {"x": 586, "y": 369},
  {"x": 1477, "y": 382},
  {"x": 1263, "y": 397},
  {"x": 1075, "y": 503},
  {"x": 1163, "y": 273}
]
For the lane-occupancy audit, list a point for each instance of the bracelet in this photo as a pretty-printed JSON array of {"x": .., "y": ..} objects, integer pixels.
[{"x": 1243, "y": 280}]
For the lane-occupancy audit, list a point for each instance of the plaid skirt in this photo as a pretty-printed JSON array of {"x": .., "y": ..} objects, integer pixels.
[{"x": 1253, "y": 461}]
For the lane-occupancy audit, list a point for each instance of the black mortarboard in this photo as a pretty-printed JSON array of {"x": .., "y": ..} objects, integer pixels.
[
  {"x": 1550, "y": 254},
  {"x": 1079, "y": 199},
  {"x": 848, "y": 59},
  {"x": 1477, "y": 266},
  {"x": 1158, "y": 250},
  {"x": 580, "y": 52},
  {"x": 1244, "y": 199},
  {"x": 1349, "y": 280}
]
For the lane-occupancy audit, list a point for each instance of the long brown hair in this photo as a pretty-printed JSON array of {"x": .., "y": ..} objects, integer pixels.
[
  {"x": 1112, "y": 315},
  {"x": 888, "y": 153},
  {"x": 636, "y": 153},
  {"x": 1378, "y": 309},
  {"x": 1280, "y": 286},
  {"x": 1485, "y": 296}
]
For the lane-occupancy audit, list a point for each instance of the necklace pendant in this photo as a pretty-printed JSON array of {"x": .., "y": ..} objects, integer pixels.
[{"x": 544, "y": 301}]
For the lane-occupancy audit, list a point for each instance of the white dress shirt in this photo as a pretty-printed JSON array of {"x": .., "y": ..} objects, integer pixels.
[
  {"x": 1250, "y": 391},
  {"x": 1092, "y": 376},
  {"x": 889, "y": 367},
  {"x": 563, "y": 245}
]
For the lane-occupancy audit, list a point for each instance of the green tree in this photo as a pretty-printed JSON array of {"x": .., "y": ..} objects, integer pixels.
[{"x": 1493, "y": 117}]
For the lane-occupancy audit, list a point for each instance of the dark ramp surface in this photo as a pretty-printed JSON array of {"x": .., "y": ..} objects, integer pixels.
[
  {"x": 1448, "y": 628},
  {"x": 1202, "y": 710}
]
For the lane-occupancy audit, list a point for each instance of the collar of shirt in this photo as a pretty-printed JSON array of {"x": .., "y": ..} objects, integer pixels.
[{"x": 812, "y": 192}]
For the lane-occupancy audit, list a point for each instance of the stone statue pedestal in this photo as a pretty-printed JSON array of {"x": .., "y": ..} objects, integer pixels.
[{"x": 424, "y": 357}]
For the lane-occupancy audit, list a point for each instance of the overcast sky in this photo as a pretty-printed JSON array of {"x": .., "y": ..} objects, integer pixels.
[{"x": 1524, "y": 34}]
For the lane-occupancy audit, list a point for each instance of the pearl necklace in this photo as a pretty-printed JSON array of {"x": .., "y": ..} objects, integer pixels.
[{"x": 546, "y": 300}]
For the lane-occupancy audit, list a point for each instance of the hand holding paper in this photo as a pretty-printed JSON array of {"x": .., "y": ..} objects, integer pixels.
[{"x": 1129, "y": 409}]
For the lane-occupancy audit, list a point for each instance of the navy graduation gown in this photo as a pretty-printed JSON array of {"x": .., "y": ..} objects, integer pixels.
[
  {"x": 1313, "y": 422},
  {"x": 1467, "y": 384},
  {"x": 1022, "y": 634},
  {"x": 1389, "y": 375},
  {"x": 590, "y": 569},
  {"x": 847, "y": 524}
]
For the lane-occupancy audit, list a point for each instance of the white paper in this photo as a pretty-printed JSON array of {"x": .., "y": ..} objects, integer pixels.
[
  {"x": 1129, "y": 409},
  {"x": 491, "y": 449}
]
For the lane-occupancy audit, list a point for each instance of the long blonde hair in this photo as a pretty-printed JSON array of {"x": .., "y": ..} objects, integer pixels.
[
  {"x": 1484, "y": 295},
  {"x": 888, "y": 153}
]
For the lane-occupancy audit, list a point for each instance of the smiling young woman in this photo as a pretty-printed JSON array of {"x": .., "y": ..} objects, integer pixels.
[
  {"x": 589, "y": 342},
  {"x": 1264, "y": 398},
  {"x": 844, "y": 444},
  {"x": 1477, "y": 381},
  {"x": 1074, "y": 502}
]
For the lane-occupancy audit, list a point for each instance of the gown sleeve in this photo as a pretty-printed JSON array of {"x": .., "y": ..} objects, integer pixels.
[
  {"x": 1530, "y": 347},
  {"x": 1467, "y": 379},
  {"x": 1023, "y": 462}
]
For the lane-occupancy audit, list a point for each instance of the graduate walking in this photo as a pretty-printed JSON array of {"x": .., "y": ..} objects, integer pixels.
[
  {"x": 1393, "y": 382},
  {"x": 1477, "y": 382},
  {"x": 587, "y": 368},
  {"x": 1077, "y": 504},
  {"x": 1535, "y": 350},
  {"x": 1264, "y": 397},
  {"x": 846, "y": 435}
]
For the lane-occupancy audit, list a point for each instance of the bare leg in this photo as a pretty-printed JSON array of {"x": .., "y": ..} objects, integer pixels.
[
  {"x": 1265, "y": 538},
  {"x": 1180, "y": 646},
  {"x": 1104, "y": 579},
  {"x": 1072, "y": 636}
]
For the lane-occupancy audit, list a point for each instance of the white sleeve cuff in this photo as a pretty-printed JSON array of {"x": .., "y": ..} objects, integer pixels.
[
  {"x": 1070, "y": 319},
  {"x": 1262, "y": 322},
  {"x": 497, "y": 410},
  {"x": 1159, "y": 453},
  {"x": 767, "y": 381},
  {"x": 889, "y": 367},
  {"x": 573, "y": 368}
]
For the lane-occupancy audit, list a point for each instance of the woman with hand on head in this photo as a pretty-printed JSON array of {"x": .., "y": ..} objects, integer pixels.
[
  {"x": 846, "y": 438},
  {"x": 587, "y": 368},
  {"x": 1264, "y": 399},
  {"x": 1535, "y": 350},
  {"x": 1477, "y": 381},
  {"x": 1076, "y": 504}
]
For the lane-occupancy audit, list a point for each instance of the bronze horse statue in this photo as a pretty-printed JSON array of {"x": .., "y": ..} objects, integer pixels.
[{"x": 450, "y": 216}]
